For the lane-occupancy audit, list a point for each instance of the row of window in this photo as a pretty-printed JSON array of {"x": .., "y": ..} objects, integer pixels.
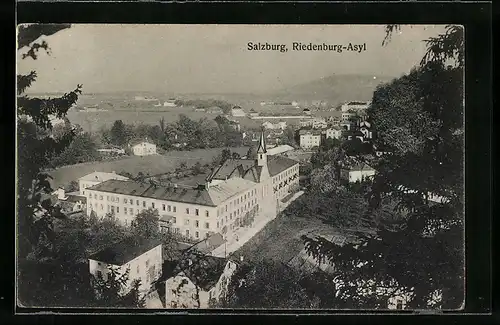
[
  {"x": 237, "y": 201},
  {"x": 165, "y": 207}
]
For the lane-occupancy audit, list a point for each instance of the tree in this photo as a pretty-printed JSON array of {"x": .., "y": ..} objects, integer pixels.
[
  {"x": 146, "y": 224},
  {"x": 35, "y": 148},
  {"x": 197, "y": 169},
  {"x": 418, "y": 251},
  {"x": 267, "y": 284},
  {"x": 73, "y": 186},
  {"x": 81, "y": 149},
  {"x": 252, "y": 153},
  {"x": 110, "y": 290},
  {"x": 118, "y": 135}
]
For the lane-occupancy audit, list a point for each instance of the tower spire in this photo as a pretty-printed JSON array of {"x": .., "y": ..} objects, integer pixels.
[{"x": 262, "y": 144}]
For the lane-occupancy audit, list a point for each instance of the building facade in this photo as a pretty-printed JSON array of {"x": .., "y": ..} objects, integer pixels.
[
  {"x": 357, "y": 173},
  {"x": 355, "y": 106},
  {"x": 309, "y": 139},
  {"x": 333, "y": 133},
  {"x": 141, "y": 257},
  {"x": 232, "y": 195},
  {"x": 144, "y": 148},
  {"x": 96, "y": 178},
  {"x": 204, "y": 279}
]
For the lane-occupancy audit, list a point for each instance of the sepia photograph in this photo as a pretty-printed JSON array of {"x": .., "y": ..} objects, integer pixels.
[{"x": 240, "y": 167}]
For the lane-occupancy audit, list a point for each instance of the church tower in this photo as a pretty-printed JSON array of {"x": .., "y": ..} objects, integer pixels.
[{"x": 262, "y": 151}]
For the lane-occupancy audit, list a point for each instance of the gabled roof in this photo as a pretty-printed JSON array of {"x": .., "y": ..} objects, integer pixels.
[
  {"x": 209, "y": 244},
  {"x": 278, "y": 164},
  {"x": 101, "y": 177},
  {"x": 124, "y": 251},
  {"x": 203, "y": 270},
  {"x": 133, "y": 143},
  {"x": 359, "y": 167}
]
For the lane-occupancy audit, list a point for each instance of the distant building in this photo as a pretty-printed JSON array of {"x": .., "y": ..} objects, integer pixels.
[
  {"x": 280, "y": 150},
  {"x": 309, "y": 138},
  {"x": 355, "y": 106},
  {"x": 319, "y": 123},
  {"x": 96, "y": 178},
  {"x": 306, "y": 111},
  {"x": 112, "y": 151},
  {"x": 345, "y": 125},
  {"x": 142, "y": 257},
  {"x": 253, "y": 113},
  {"x": 306, "y": 123},
  {"x": 351, "y": 135},
  {"x": 365, "y": 128},
  {"x": 69, "y": 202},
  {"x": 214, "y": 110},
  {"x": 170, "y": 103},
  {"x": 347, "y": 115},
  {"x": 357, "y": 172},
  {"x": 200, "y": 109},
  {"x": 333, "y": 133},
  {"x": 237, "y": 111},
  {"x": 274, "y": 126},
  {"x": 334, "y": 120},
  {"x": 198, "y": 280},
  {"x": 144, "y": 148},
  {"x": 381, "y": 150}
]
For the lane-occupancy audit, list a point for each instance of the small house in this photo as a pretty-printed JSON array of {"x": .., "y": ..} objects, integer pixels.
[
  {"x": 197, "y": 280},
  {"x": 144, "y": 148},
  {"x": 357, "y": 172},
  {"x": 97, "y": 178},
  {"x": 141, "y": 257}
]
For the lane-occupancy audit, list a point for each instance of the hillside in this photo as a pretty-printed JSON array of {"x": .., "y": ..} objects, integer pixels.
[{"x": 335, "y": 88}]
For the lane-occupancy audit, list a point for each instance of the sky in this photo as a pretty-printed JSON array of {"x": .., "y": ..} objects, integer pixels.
[{"x": 215, "y": 58}]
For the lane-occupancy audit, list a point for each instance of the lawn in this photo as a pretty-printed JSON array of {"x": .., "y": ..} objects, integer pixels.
[
  {"x": 280, "y": 239},
  {"x": 153, "y": 165}
]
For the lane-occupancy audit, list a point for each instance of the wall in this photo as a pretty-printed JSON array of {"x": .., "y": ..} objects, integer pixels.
[
  {"x": 145, "y": 203},
  {"x": 137, "y": 268}
]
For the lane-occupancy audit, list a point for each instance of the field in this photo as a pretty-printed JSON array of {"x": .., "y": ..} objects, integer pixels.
[
  {"x": 124, "y": 107},
  {"x": 153, "y": 165}
]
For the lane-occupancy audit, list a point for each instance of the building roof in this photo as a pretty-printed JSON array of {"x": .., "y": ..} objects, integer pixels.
[
  {"x": 209, "y": 244},
  {"x": 225, "y": 190},
  {"x": 101, "y": 177},
  {"x": 124, "y": 251},
  {"x": 277, "y": 164},
  {"x": 279, "y": 149},
  {"x": 213, "y": 196},
  {"x": 187, "y": 194},
  {"x": 136, "y": 142},
  {"x": 309, "y": 131},
  {"x": 203, "y": 270},
  {"x": 359, "y": 167}
]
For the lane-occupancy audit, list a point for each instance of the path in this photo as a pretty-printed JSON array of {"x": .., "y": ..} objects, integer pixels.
[{"x": 244, "y": 234}]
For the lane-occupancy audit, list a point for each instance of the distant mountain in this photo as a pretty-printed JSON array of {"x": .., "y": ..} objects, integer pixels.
[{"x": 335, "y": 88}]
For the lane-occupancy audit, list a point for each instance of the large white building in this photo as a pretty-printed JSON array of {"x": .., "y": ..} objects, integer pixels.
[
  {"x": 144, "y": 148},
  {"x": 232, "y": 195},
  {"x": 141, "y": 257},
  {"x": 309, "y": 138},
  {"x": 96, "y": 178},
  {"x": 355, "y": 106}
]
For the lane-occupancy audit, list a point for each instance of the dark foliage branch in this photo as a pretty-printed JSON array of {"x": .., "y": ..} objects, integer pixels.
[{"x": 29, "y": 33}]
